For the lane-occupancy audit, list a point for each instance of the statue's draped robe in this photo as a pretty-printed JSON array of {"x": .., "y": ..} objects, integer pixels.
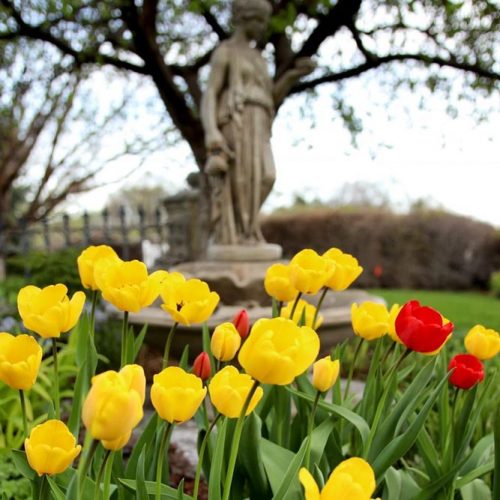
[{"x": 245, "y": 115}]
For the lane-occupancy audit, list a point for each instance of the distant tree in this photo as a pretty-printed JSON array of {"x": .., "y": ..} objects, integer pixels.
[
  {"x": 51, "y": 134},
  {"x": 170, "y": 41}
]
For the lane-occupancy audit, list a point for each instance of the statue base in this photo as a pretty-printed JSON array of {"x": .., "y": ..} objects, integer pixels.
[{"x": 257, "y": 252}]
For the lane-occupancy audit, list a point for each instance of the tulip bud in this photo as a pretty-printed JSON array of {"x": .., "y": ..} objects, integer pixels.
[
  {"x": 277, "y": 351},
  {"x": 325, "y": 373},
  {"x": 113, "y": 406},
  {"x": 467, "y": 371},
  {"x": 50, "y": 448},
  {"x": 225, "y": 342},
  {"x": 484, "y": 343},
  {"x": 352, "y": 478},
  {"x": 421, "y": 328},
  {"x": 176, "y": 395},
  {"x": 370, "y": 320},
  {"x": 229, "y": 389},
  {"x": 20, "y": 358},
  {"x": 49, "y": 311},
  {"x": 242, "y": 323},
  {"x": 201, "y": 366}
]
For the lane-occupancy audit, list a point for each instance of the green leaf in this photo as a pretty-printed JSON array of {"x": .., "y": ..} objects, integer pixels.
[
  {"x": 475, "y": 473},
  {"x": 428, "y": 452},
  {"x": 167, "y": 492},
  {"x": 398, "y": 447},
  {"x": 205, "y": 335},
  {"x": 496, "y": 474},
  {"x": 183, "y": 362},
  {"x": 476, "y": 490},
  {"x": 356, "y": 420},
  {"x": 81, "y": 387},
  {"x": 139, "y": 340},
  {"x": 141, "y": 492},
  {"x": 21, "y": 462},
  {"x": 180, "y": 490},
  {"x": 290, "y": 487},
  {"x": 214, "y": 486},
  {"x": 249, "y": 455},
  {"x": 403, "y": 408},
  {"x": 276, "y": 460},
  {"x": 482, "y": 452},
  {"x": 56, "y": 491},
  {"x": 399, "y": 484},
  {"x": 146, "y": 437}
]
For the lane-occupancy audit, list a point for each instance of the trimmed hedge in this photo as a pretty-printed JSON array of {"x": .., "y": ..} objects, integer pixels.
[{"x": 431, "y": 249}]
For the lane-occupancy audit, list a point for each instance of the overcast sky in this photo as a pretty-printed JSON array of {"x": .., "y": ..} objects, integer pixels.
[{"x": 409, "y": 153}]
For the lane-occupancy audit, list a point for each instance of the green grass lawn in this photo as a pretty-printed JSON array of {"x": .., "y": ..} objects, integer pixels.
[{"x": 464, "y": 309}]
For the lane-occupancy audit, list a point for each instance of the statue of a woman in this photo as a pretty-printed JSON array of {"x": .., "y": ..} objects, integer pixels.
[{"x": 237, "y": 112}]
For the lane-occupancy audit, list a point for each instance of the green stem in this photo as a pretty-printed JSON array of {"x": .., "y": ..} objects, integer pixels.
[
  {"x": 85, "y": 466},
  {"x": 200, "y": 457},
  {"x": 22, "y": 397},
  {"x": 318, "y": 307},
  {"x": 168, "y": 344},
  {"x": 124, "y": 339},
  {"x": 92, "y": 313},
  {"x": 41, "y": 491},
  {"x": 387, "y": 353},
  {"x": 107, "y": 476},
  {"x": 97, "y": 492},
  {"x": 57, "y": 404},
  {"x": 381, "y": 402},
  {"x": 295, "y": 303},
  {"x": 351, "y": 368},
  {"x": 236, "y": 442},
  {"x": 161, "y": 457},
  {"x": 310, "y": 430}
]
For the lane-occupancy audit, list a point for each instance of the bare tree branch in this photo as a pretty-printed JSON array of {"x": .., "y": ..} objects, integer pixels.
[{"x": 379, "y": 61}]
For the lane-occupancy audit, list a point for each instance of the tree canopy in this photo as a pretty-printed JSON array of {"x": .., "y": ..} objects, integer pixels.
[{"x": 170, "y": 41}]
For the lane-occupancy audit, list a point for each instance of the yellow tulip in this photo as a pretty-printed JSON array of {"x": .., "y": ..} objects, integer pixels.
[
  {"x": 303, "y": 308},
  {"x": 370, "y": 320},
  {"x": 113, "y": 406},
  {"x": 277, "y": 283},
  {"x": 325, "y": 373},
  {"x": 188, "y": 301},
  {"x": 352, "y": 479},
  {"x": 229, "y": 389},
  {"x": 51, "y": 448},
  {"x": 118, "y": 443},
  {"x": 393, "y": 314},
  {"x": 20, "y": 358},
  {"x": 127, "y": 284},
  {"x": 93, "y": 257},
  {"x": 176, "y": 394},
  {"x": 225, "y": 342},
  {"x": 49, "y": 311},
  {"x": 309, "y": 271},
  {"x": 484, "y": 343},
  {"x": 346, "y": 269},
  {"x": 277, "y": 350}
]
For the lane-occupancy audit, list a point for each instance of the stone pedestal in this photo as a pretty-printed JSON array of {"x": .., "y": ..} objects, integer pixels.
[{"x": 260, "y": 252}]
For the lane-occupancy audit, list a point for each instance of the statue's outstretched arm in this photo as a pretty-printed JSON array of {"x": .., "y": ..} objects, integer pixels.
[{"x": 302, "y": 67}]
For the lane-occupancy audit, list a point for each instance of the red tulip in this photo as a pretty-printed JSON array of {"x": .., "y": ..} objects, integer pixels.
[
  {"x": 201, "y": 366},
  {"x": 421, "y": 328},
  {"x": 468, "y": 371},
  {"x": 242, "y": 323}
]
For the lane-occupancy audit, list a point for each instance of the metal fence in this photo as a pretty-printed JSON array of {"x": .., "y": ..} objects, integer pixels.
[{"x": 132, "y": 233}]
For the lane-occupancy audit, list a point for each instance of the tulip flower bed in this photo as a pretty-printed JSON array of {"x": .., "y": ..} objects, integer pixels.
[{"x": 273, "y": 420}]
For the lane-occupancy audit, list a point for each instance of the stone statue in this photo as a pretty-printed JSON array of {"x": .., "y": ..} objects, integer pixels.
[{"x": 237, "y": 111}]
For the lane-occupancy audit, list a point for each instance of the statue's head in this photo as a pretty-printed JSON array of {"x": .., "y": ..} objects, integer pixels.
[{"x": 252, "y": 16}]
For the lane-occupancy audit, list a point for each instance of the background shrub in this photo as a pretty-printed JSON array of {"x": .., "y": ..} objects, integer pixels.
[{"x": 425, "y": 249}]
